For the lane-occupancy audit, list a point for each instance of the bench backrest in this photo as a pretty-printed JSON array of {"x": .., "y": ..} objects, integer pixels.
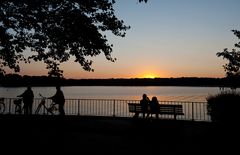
[
  {"x": 134, "y": 107},
  {"x": 171, "y": 109},
  {"x": 163, "y": 108}
]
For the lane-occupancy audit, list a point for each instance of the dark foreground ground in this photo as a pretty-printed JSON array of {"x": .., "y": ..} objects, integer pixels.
[{"x": 107, "y": 135}]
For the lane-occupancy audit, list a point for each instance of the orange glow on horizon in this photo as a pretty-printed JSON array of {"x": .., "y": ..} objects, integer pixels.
[{"x": 150, "y": 75}]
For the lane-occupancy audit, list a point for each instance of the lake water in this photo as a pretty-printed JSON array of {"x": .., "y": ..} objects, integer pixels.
[{"x": 166, "y": 93}]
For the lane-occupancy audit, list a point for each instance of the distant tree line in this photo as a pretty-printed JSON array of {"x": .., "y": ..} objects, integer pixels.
[{"x": 16, "y": 80}]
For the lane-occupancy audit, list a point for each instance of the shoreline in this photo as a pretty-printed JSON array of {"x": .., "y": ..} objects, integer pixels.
[{"x": 21, "y": 81}]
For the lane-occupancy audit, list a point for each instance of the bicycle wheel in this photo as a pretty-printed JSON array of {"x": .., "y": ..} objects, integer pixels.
[
  {"x": 2, "y": 107},
  {"x": 53, "y": 109},
  {"x": 38, "y": 109},
  {"x": 18, "y": 106},
  {"x": 18, "y": 109}
]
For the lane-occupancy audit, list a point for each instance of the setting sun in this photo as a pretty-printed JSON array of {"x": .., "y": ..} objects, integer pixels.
[{"x": 150, "y": 75}]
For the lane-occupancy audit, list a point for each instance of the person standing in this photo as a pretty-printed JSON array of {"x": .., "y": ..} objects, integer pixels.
[
  {"x": 27, "y": 97},
  {"x": 59, "y": 99}
]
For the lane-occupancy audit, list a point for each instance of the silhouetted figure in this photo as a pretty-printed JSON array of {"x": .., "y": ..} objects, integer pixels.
[
  {"x": 144, "y": 102},
  {"x": 59, "y": 99},
  {"x": 27, "y": 97},
  {"x": 154, "y": 106}
]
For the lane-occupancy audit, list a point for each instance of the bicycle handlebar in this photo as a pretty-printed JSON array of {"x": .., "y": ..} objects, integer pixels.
[{"x": 42, "y": 96}]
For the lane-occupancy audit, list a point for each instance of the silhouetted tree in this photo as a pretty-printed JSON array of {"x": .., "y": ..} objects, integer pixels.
[
  {"x": 233, "y": 57},
  {"x": 232, "y": 68},
  {"x": 54, "y": 30},
  {"x": 223, "y": 107}
]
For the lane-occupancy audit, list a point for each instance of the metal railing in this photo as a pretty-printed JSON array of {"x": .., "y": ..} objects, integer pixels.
[{"x": 195, "y": 111}]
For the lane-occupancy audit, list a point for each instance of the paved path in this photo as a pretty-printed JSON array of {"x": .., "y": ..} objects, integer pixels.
[{"x": 103, "y": 135}]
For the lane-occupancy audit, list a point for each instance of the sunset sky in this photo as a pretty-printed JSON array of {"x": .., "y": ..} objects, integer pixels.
[{"x": 168, "y": 38}]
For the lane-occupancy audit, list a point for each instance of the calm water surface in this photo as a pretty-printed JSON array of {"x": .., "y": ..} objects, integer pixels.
[{"x": 120, "y": 92}]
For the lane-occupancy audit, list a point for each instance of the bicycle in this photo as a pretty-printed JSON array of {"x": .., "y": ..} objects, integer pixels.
[
  {"x": 2, "y": 105},
  {"x": 18, "y": 106},
  {"x": 52, "y": 109}
]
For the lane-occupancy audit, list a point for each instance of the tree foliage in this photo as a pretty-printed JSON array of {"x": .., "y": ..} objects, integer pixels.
[
  {"x": 232, "y": 68},
  {"x": 224, "y": 107},
  {"x": 55, "y": 30}
]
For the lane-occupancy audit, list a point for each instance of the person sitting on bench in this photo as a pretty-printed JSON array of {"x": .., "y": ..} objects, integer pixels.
[
  {"x": 144, "y": 102},
  {"x": 154, "y": 106}
]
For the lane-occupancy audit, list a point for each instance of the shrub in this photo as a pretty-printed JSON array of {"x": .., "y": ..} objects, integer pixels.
[{"x": 224, "y": 107}]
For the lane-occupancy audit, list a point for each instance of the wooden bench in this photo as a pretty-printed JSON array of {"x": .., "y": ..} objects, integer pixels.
[
  {"x": 135, "y": 108},
  {"x": 164, "y": 109},
  {"x": 171, "y": 109}
]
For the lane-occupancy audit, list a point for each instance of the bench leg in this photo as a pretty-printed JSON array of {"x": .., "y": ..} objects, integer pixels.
[
  {"x": 145, "y": 115},
  {"x": 136, "y": 115},
  {"x": 148, "y": 115}
]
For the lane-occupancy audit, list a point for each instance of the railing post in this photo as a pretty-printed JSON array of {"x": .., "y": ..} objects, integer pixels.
[
  {"x": 192, "y": 111},
  {"x": 10, "y": 104},
  {"x": 114, "y": 108},
  {"x": 78, "y": 107}
]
